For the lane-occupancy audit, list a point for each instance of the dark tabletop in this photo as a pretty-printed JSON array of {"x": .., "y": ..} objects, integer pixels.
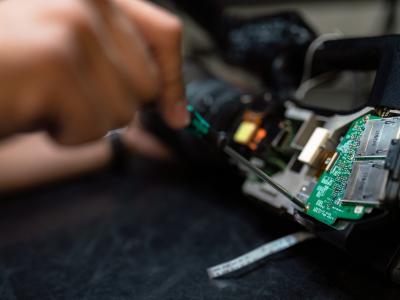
[{"x": 151, "y": 232}]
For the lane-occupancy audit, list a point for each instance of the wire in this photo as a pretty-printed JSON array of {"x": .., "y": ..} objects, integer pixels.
[{"x": 239, "y": 158}]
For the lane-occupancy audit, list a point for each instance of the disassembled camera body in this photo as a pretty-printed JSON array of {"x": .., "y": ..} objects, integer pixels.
[
  {"x": 343, "y": 165},
  {"x": 344, "y": 169}
]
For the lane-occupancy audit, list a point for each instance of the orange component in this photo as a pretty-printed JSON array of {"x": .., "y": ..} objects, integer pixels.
[
  {"x": 260, "y": 135},
  {"x": 254, "y": 117},
  {"x": 253, "y": 146}
]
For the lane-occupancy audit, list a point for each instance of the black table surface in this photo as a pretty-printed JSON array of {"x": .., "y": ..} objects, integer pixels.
[{"x": 151, "y": 232}]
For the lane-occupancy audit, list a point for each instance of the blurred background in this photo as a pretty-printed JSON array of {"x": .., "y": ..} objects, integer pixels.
[
  {"x": 329, "y": 19},
  {"x": 352, "y": 17}
]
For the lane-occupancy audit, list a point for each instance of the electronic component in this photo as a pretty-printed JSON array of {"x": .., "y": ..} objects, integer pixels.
[
  {"x": 331, "y": 161},
  {"x": 202, "y": 129},
  {"x": 324, "y": 202},
  {"x": 245, "y": 132},
  {"x": 377, "y": 136},
  {"x": 251, "y": 259},
  {"x": 314, "y": 146},
  {"x": 249, "y": 132},
  {"x": 369, "y": 177},
  {"x": 306, "y": 190},
  {"x": 367, "y": 183},
  {"x": 258, "y": 137}
]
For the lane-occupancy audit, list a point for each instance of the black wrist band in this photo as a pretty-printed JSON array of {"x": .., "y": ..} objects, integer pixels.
[{"x": 119, "y": 152}]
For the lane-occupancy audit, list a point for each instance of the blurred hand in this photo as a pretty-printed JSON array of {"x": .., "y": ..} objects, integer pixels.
[
  {"x": 162, "y": 33},
  {"x": 80, "y": 68},
  {"x": 138, "y": 140}
]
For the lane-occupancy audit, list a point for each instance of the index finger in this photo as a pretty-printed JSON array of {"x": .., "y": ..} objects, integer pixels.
[{"x": 163, "y": 33}]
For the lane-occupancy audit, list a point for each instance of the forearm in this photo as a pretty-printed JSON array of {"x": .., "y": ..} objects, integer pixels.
[{"x": 33, "y": 159}]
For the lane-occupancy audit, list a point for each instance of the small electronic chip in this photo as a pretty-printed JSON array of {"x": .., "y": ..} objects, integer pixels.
[{"x": 245, "y": 132}]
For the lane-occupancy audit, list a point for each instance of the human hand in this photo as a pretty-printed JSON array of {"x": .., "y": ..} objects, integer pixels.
[
  {"x": 162, "y": 32},
  {"x": 78, "y": 69}
]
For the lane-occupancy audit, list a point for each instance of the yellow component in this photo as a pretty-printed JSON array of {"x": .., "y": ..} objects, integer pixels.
[{"x": 245, "y": 132}]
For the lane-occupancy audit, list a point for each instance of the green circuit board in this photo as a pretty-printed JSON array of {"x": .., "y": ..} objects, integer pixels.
[{"x": 324, "y": 202}]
